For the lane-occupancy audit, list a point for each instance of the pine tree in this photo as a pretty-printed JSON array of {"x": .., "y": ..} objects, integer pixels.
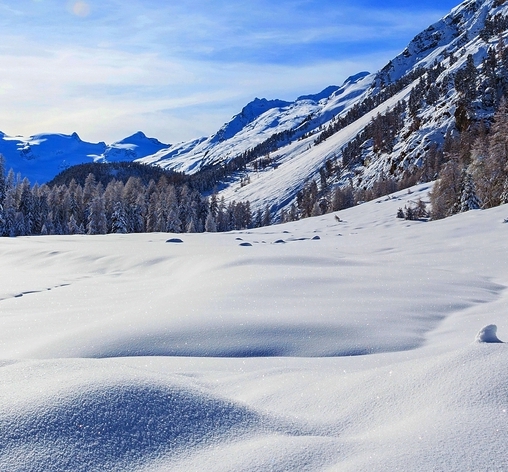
[
  {"x": 3, "y": 185},
  {"x": 504, "y": 195},
  {"x": 214, "y": 205},
  {"x": 9, "y": 213},
  {"x": 267, "y": 218},
  {"x": 191, "y": 227},
  {"x": 210, "y": 224},
  {"x": 96, "y": 215},
  {"x": 468, "y": 199},
  {"x": 316, "y": 210},
  {"x": 19, "y": 228},
  {"x": 174, "y": 224},
  {"x": 293, "y": 212},
  {"x": 118, "y": 219},
  {"x": 73, "y": 227},
  {"x": 445, "y": 196}
]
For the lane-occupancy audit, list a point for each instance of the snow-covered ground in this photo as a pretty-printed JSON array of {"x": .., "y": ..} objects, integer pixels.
[{"x": 319, "y": 345}]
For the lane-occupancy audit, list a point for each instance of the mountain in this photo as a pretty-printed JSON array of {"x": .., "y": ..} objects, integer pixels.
[
  {"x": 389, "y": 126},
  {"x": 374, "y": 126},
  {"x": 42, "y": 156},
  {"x": 258, "y": 122}
]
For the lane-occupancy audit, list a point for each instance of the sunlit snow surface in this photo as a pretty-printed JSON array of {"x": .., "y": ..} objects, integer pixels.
[{"x": 353, "y": 351}]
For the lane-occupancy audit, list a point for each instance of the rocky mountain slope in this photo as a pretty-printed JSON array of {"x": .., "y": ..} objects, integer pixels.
[{"x": 449, "y": 77}]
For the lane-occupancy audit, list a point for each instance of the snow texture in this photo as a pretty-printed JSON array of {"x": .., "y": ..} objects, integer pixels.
[{"x": 351, "y": 352}]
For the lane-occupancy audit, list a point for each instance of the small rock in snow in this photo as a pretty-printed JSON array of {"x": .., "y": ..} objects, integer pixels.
[
  {"x": 245, "y": 244},
  {"x": 174, "y": 240},
  {"x": 315, "y": 238},
  {"x": 488, "y": 335}
]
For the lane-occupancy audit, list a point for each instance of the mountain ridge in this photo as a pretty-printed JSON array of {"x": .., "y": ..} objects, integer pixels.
[{"x": 42, "y": 156}]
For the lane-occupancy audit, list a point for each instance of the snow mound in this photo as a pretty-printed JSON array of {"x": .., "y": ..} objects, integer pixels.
[
  {"x": 114, "y": 426},
  {"x": 488, "y": 335}
]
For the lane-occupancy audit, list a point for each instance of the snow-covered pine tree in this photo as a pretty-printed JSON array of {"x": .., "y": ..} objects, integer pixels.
[
  {"x": 118, "y": 218},
  {"x": 504, "y": 195},
  {"x": 2, "y": 179},
  {"x": 73, "y": 227},
  {"x": 210, "y": 224},
  {"x": 9, "y": 212},
  {"x": 96, "y": 215},
  {"x": 469, "y": 200}
]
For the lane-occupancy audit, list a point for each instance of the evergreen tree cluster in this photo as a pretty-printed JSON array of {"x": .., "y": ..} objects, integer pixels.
[
  {"x": 475, "y": 174},
  {"x": 414, "y": 211},
  {"x": 315, "y": 200},
  {"x": 381, "y": 133},
  {"x": 121, "y": 171},
  {"x": 494, "y": 25},
  {"x": 117, "y": 207}
]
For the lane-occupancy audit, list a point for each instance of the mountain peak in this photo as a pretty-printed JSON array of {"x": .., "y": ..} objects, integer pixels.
[
  {"x": 249, "y": 113},
  {"x": 260, "y": 105}
]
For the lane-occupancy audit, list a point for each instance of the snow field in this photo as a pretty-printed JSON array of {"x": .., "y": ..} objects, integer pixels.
[{"x": 354, "y": 351}]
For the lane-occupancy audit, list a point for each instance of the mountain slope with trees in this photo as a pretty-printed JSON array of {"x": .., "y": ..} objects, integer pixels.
[{"x": 377, "y": 132}]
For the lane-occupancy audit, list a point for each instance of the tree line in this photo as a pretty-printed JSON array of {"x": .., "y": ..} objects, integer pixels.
[{"x": 117, "y": 207}]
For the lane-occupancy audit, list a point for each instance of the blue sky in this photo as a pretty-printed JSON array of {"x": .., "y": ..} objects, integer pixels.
[{"x": 179, "y": 70}]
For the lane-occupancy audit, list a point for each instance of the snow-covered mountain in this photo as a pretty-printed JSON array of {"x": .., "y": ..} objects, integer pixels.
[
  {"x": 426, "y": 83},
  {"x": 373, "y": 126},
  {"x": 259, "y": 121},
  {"x": 42, "y": 156}
]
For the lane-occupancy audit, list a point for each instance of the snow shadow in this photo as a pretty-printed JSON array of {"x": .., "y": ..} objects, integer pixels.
[{"x": 253, "y": 341}]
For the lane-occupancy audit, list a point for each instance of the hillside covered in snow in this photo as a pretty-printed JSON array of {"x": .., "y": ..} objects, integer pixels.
[
  {"x": 385, "y": 125},
  {"x": 350, "y": 341}
]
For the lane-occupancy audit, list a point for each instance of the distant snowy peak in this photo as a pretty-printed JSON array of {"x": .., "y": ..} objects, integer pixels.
[
  {"x": 140, "y": 139},
  {"x": 42, "y": 156},
  {"x": 133, "y": 147}
]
